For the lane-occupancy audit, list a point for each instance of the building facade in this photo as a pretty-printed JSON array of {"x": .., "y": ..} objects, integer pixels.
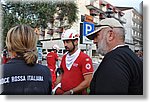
[
  {"x": 134, "y": 28},
  {"x": 93, "y": 11}
]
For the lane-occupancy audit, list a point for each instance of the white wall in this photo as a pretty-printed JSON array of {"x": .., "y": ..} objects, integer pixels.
[{"x": 128, "y": 28}]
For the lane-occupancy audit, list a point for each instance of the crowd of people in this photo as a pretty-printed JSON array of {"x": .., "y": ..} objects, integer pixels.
[{"x": 119, "y": 73}]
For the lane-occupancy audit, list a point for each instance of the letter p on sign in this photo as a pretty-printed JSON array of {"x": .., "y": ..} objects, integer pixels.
[{"x": 87, "y": 28}]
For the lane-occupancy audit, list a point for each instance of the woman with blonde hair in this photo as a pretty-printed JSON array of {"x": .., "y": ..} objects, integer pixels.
[{"x": 21, "y": 74}]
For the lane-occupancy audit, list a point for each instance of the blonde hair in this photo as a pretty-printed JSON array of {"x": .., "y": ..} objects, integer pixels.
[{"x": 22, "y": 40}]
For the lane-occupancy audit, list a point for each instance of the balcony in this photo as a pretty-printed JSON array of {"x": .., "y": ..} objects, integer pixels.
[
  {"x": 97, "y": 10},
  {"x": 109, "y": 13},
  {"x": 93, "y": 12},
  {"x": 121, "y": 13},
  {"x": 59, "y": 30},
  {"x": 102, "y": 16},
  {"x": 108, "y": 6},
  {"x": 90, "y": 6},
  {"x": 50, "y": 32},
  {"x": 136, "y": 38},
  {"x": 137, "y": 29},
  {"x": 114, "y": 10},
  {"x": 137, "y": 21}
]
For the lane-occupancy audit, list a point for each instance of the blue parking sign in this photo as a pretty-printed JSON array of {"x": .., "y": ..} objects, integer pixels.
[{"x": 87, "y": 28}]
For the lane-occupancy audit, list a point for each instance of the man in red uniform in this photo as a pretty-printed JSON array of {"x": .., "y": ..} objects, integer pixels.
[
  {"x": 52, "y": 57},
  {"x": 77, "y": 67}
]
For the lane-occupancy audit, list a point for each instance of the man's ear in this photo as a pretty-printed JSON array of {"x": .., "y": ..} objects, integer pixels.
[
  {"x": 76, "y": 42},
  {"x": 110, "y": 36}
]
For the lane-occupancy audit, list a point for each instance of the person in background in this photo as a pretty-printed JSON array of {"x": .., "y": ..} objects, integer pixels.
[
  {"x": 21, "y": 74},
  {"x": 5, "y": 56},
  {"x": 139, "y": 53},
  {"x": 121, "y": 71},
  {"x": 52, "y": 58},
  {"x": 76, "y": 66}
]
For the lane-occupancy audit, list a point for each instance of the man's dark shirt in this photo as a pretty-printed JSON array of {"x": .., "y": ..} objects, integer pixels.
[{"x": 120, "y": 72}]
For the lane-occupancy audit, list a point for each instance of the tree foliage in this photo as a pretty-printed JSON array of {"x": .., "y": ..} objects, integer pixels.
[
  {"x": 35, "y": 14},
  {"x": 69, "y": 9}
]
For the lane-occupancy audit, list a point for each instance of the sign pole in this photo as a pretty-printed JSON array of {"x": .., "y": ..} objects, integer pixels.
[{"x": 87, "y": 49}]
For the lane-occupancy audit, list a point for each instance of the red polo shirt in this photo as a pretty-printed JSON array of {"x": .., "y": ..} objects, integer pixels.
[
  {"x": 51, "y": 60},
  {"x": 73, "y": 77}
]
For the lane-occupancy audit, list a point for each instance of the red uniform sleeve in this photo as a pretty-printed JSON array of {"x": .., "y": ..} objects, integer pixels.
[
  {"x": 59, "y": 91},
  {"x": 56, "y": 56},
  {"x": 47, "y": 58},
  {"x": 87, "y": 66}
]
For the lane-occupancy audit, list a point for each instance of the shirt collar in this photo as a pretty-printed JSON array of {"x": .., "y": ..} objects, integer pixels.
[
  {"x": 16, "y": 60},
  {"x": 118, "y": 46}
]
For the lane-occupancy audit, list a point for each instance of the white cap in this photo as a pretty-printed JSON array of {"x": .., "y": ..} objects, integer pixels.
[
  {"x": 69, "y": 34},
  {"x": 107, "y": 22}
]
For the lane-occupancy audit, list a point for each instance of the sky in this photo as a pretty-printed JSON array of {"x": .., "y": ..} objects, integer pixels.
[{"x": 126, "y": 3}]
